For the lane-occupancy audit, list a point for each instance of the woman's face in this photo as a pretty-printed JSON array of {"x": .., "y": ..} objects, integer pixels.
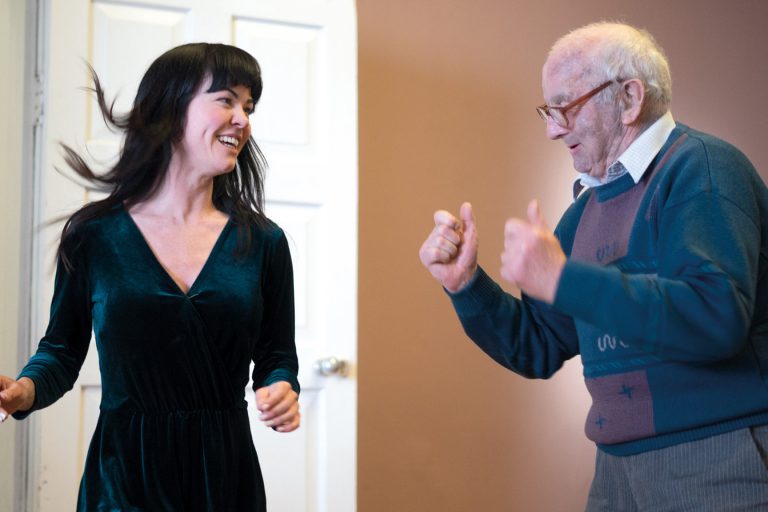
[{"x": 217, "y": 128}]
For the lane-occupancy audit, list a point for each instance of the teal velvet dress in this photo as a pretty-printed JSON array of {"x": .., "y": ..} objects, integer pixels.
[{"x": 173, "y": 432}]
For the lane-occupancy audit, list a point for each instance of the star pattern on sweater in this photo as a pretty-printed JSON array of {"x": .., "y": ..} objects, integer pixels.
[
  {"x": 600, "y": 421},
  {"x": 627, "y": 390}
]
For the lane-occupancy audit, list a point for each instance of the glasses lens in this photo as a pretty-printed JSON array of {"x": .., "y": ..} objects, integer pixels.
[
  {"x": 558, "y": 117},
  {"x": 553, "y": 113}
]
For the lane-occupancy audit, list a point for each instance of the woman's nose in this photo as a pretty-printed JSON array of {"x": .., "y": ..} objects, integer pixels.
[{"x": 240, "y": 117}]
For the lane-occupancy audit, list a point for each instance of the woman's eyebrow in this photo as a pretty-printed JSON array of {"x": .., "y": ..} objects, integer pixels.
[{"x": 237, "y": 96}]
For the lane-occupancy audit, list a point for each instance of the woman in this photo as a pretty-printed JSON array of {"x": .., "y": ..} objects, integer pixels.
[{"x": 184, "y": 282}]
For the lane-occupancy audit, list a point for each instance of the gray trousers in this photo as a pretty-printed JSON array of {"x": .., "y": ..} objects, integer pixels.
[{"x": 723, "y": 473}]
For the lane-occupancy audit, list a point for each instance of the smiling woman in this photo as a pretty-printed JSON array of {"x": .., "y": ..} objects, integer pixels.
[
  {"x": 184, "y": 282},
  {"x": 217, "y": 129}
]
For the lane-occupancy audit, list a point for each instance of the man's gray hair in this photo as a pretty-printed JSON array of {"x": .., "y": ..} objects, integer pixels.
[{"x": 616, "y": 50}]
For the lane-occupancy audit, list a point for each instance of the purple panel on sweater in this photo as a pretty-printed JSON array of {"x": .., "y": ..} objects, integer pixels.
[{"x": 622, "y": 408}]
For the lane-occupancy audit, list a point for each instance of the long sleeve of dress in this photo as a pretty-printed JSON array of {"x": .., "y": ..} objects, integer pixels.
[
  {"x": 275, "y": 354},
  {"x": 56, "y": 364}
]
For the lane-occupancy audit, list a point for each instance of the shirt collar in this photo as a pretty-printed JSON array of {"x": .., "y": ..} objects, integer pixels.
[{"x": 639, "y": 155}]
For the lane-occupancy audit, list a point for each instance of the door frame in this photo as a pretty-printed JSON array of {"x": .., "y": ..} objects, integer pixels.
[{"x": 26, "y": 453}]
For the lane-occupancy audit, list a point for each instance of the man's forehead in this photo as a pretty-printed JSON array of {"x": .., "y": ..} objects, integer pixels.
[{"x": 561, "y": 81}]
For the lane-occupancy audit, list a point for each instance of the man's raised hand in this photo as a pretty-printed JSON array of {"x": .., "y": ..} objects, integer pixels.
[
  {"x": 450, "y": 250},
  {"x": 532, "y": 258}
]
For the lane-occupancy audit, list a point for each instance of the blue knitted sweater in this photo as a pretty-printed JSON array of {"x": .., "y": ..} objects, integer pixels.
[{"x": 664, "y": 295}]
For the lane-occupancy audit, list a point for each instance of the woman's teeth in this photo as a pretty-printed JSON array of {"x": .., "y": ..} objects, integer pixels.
[{"x": 229, "y": 141}]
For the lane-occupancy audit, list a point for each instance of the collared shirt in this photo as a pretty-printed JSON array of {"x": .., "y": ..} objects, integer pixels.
[{"x": 639, "y": 155}]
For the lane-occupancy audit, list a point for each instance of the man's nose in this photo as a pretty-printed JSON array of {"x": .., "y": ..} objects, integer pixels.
[{"x": 554, "y": 130}]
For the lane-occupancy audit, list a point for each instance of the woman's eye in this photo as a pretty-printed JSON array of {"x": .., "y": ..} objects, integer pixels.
[{"x": 226, "y": 101}]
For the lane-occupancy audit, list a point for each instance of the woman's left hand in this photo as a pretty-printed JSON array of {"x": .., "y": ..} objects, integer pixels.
[{"x": 278, "y": 404}]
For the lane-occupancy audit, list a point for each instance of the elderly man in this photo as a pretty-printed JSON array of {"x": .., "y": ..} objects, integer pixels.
[{"x": 657, "y": 276}]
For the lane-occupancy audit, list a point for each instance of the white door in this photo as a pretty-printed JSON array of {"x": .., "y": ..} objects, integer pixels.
[{"x": 306, "y": 124}]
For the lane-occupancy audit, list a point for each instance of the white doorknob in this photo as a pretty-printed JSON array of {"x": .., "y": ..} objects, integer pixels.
[{"x": 331, "y": 366}]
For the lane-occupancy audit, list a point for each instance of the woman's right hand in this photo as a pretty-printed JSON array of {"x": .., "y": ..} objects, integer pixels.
[{"x": 15, "y": 395}]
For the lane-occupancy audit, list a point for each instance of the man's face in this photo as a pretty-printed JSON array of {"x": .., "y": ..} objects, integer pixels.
[{"x": 594, "y": 132}]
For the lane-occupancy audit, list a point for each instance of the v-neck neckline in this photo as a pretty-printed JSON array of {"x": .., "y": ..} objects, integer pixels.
[{"x": 159, "y": 264}]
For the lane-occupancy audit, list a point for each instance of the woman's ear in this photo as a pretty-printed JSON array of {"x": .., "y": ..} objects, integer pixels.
[{"x": 632, "y": 94}]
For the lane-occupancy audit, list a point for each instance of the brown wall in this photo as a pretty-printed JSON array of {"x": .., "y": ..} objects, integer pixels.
[{"x": 447, "y": 90}]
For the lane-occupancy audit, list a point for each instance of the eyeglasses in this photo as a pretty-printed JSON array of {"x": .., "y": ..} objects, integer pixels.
[{"x": 557, "y": 114}]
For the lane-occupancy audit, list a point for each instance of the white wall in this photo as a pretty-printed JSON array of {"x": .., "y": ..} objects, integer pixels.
[{"x": 12, "y": 39}]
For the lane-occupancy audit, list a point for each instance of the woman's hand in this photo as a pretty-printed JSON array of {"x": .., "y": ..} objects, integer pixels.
[
  {"x": 278, "y": 404},
  {"x": 15, "y": 395}
]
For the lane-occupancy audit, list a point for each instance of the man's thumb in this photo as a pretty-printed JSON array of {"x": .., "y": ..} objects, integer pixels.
[
  {"x": 534, "y": 215},
  {"x": 467, "y": 217}
]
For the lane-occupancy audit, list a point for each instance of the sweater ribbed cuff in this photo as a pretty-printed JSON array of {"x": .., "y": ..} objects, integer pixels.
[{"x": 480, "y": 294}]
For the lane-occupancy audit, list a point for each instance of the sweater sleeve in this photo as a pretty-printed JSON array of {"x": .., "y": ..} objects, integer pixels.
[
  {"x": 526, "y": 336},
  {"x": 275, "y": 355},
  {"x": 699, "y": 302},
  {"x": 55, "y": 366}
]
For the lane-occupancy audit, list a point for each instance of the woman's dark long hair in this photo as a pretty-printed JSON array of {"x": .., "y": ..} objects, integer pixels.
[{"x": 156, "y": 122}]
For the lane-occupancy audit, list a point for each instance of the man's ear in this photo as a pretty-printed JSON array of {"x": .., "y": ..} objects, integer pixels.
[{"x": 632, "y": 94}]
